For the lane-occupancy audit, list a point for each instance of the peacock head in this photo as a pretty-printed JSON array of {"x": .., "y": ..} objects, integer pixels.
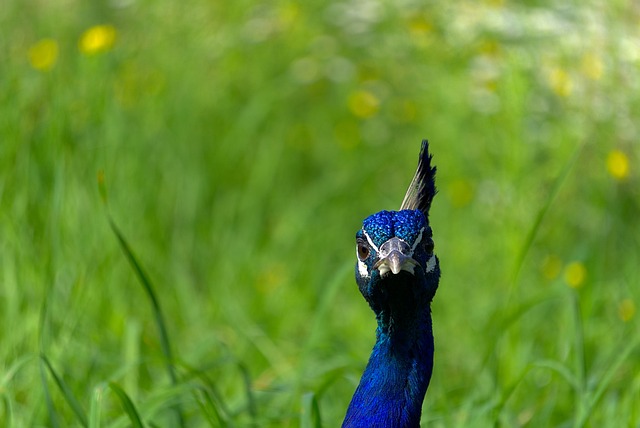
[{"x": 394, "y": 249}]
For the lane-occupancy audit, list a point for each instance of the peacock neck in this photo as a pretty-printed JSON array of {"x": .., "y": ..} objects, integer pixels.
[{"x": 393, "y": 385}]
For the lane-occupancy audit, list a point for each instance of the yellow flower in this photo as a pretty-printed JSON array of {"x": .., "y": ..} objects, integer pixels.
[
  {"x": 551, "y": 267},
  {"x": 363, "y": 104},
  {"x": 288, "y": 14},
  {"x": 44, "y": 54},
  {"x": 592, "y": 66},
  {"x": 97, "y": 39},
  {"x": 271, "y": 278},
  {"x": 490, "y": 48},
  {"x": 418, "y": 26},
  {"x": 575, "y": 274},
  {"x": 560, "y": 82},
  {"x": 618, "y": 164},
  {"x": 626, "y": 310}
]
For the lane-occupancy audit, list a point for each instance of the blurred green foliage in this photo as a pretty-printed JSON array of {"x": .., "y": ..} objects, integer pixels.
[{"x": 239, "y": 146}]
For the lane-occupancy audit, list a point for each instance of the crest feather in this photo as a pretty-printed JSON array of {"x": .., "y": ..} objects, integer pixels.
[{"x": 423, "y": 186}]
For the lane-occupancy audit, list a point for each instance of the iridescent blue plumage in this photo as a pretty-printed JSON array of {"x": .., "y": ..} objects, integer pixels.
[
  {"x": 383, "y": 225},
  {"x": 398, "y": 274}
]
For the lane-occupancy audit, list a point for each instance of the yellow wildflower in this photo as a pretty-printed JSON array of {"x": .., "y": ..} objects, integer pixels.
[
  {"x": 626, "y": 310},
  {"x": 490, "y": 48},
  {"x": 44, "y": 54},
  {"x": 551, "y": 267},
  {"x": 363, "y": 104},
  {"x": 575, "y": 274},
  {"x": 288, "y": 14},
  {"x": 271, "y": 278},
  {"x": 418, "y": 26},
  {"x": 97, "y": 39},
  {"x": 560, "y": 82},
  {"x": 618, "y": 164},
  {"x": 592, "y": 66}
]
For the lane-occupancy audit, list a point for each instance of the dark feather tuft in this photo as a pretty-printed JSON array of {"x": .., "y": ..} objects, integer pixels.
[{"x": 423, "y": 186}]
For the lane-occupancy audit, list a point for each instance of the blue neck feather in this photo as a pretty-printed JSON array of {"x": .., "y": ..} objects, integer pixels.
[{"x": 393, "y": 386}]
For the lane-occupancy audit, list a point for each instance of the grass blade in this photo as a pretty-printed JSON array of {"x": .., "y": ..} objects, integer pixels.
[
  {"x": 606, "y": 379},
  {"x": 155, "y": 304},
  {"x": 144, "y": 280},
  {"x": 310, "y": 417},
  {"x": 213, "y": 399},
  {"x": 208, "y": 406},
  {"x": 53, "y": 418},
  {"x": 127, "y": 404},
  {"x": 51, "y": 411},
  {"x": 508, "y": 392},
  {"x": 251, "y": 402},
  {"x": 66, "y": 392},
  {"x": 579, "y": 360},
  {"x": 533, "y": 232},
  {"x": 319, "y": 317},
  {"x": 94, "y": 408},
  {"x": 13, "y": 370},
  {"x": 8, "y": 410},
  {"x": 562, "y": 370}
]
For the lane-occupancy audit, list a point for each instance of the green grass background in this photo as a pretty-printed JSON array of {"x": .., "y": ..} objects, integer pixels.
[{"x": 240, "y": 145}]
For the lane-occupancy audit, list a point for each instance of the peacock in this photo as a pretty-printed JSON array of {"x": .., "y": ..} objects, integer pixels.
[{"x": 398, "y": 274}]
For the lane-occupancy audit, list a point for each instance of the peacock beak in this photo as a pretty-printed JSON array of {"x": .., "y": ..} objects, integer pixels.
[{"x": 395, "y": 256}]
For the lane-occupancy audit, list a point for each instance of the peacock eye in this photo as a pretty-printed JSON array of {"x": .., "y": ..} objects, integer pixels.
[
  {"x": 428, "y": 246},
  {"x": 363, "y": 250}
]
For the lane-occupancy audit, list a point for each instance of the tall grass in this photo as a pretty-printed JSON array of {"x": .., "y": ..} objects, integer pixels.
[{"x": 242, "y": 144}]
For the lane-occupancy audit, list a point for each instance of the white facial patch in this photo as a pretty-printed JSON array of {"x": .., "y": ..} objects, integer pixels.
[
  {"x": 417, "y": 241},
  {"x": 431, "y": 264},
  {"x": 366, "y": 235},
  {"x": 362, "y": 268}
]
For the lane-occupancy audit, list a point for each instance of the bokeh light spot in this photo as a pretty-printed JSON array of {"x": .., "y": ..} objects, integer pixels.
[
  {"x": 626, "y": 310},
  {"x": 305, "y": 70},
  {"x": 44, "y": 54},
  {"x": 618, "y": 164},
  {"x": 419, "y": 26},
  {"x": 363, "y": 104},
  {"x": 574, "y": 274},
  {"x": 592, "y": 66},
  {"x": 288, "y": 14},
  {"x": 560, "y": 82},
  {"x": 551, "y": 267},
  {"x": 271, "y": 278},
  {"x": 99, "y": 38}
]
